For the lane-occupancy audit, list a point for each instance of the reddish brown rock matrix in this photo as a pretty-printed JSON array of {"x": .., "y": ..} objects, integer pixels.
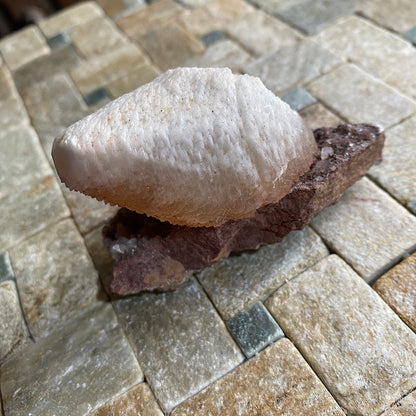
[{"x": 152, "y": 255}]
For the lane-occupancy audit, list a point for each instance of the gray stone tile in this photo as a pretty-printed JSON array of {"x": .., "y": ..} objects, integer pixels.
[
  {"x": 59, "y": 41},
  {"x": 293, "y": 65},
  {"x": 180, "y": 341},
  {"x": 96, "y": 37},
  {"x": 70, "y": 17},
  {"x": 405, "y": 407},
  {"x": 316, "y": 115},
  {"x": 262, "y": 34},
  {"x": 12, "y": 114},
  {"x": 299, "y": 98},
  {"x": 6, "y": 271},
  {"x": 367, "y": 228},
  {"x": 272, "y": 6},
  {"x": 138, "y": 401},
  {"x": 222, "y": 54},
  {"x": 14, "y": 334},
  {"x": 412, "y": 206},
  {"x": 102, "y": 69},
  {"x": 98, "y": 96},
  {"x": 213, "y": 37},
  {"x": 358, "y": 97},
  {"x": 358, "y": 347},
  {"x": 7, "y": 88},
  {"x": 75, "y": 370},
  {"x": 276, "y": 382},
  {"x": 23, "y": 46},
  {"x": 311, "y": 16},
  {"x": 134, "y": 79},
  {"x": 236, "y": 282},
  {"x": 397, "y": 172},
  {"x": 22, "y": 161},
  {"x": 29, "y": 210},
  {"x": 55, "y": 276},
  {"x": 410, "y": 35},
  {"x": 117, "y": 9},
  {"x": 254, "y": 329}
]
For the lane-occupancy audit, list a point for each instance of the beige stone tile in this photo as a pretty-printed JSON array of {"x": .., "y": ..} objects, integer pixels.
[
  {"x": 117, "y": 9},
  {"x": 23, "y": 46},
  {"x": 70, "y": 17},
  {"x": 180, "y": 341},
  {"x": 398, "y": 288},
  {"x": 397, "y": 172},
  {"x": 222, "y": 54},
  {"x": 55, "y": 276},
  {"x": 293, "y": 65},
  {"x": 405, "y": 407},
  {"x": 73, "y": 371},
  {"x": 316, "y": 115},
  {"x": 97, "y": 37},
  {"x": 139, "y": 401},
  {"x": 169, "y": 45},
  {"x": 236, "y": 282},
  {"x": 12, "y": 114},
  {"x": 278, "y": 381},
  {"x": 134, "y": 79},
  {"x": 359, "y": 97},
  {"x": 100, "y": 70},
  {"x": 261, "y": 34},
  {"x": 14, "y": 334},
  {"x": 7, "y": 88},
  {"x": 358, "y": 347},
  {"x": 367, "y": 228}
]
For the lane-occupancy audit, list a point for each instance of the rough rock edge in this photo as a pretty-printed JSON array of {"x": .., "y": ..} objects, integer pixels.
[{"x": 151, "y": 255}]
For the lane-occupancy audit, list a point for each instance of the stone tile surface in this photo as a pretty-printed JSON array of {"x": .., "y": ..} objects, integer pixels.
[
  {"x": 99, "y": 70},
  {"x": 139, "y": 401},
  {"x": 299, "y": 98},
  {"x": 367, "y": 228},
  {"x": 70, "y": 17},
  {"x": 405, "y": 407},
  {"x": 73, "y": 371},
  {"x": 7, "y": 89},
  {"x": 254, "y": 329},
  {"x": 12, "y": 114},
  {"x": 293, "y": 65},
  {"x": 6, "y": 271},
  {"x": 398, "y": 288},
  {"x": 222, "y": 54},
  {"x": 278, "y": 381},
  {"x": 59, "y": 41},
  {"x": 55, "y": 276},
  {"x": 358, "y": 97},
  {"x": 213, "y": 37},
  {"x": 410, "y": 35},
  {"x": 23, "y": 46},
  {"x": 397, "y": 172},
  {"x": 358, "y": 347},
  {"x": 236, "y": 282},
  {"x": 180, "y": 341},
  {"x": 270, "y": 34},
  {"x": 117, "y": 9},
  {"x": 14, "y": 334},
  {"x": 316, "y": 115}
]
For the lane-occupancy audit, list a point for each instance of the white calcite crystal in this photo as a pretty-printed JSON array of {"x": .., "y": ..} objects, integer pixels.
[{"x": 194, "y": 147}]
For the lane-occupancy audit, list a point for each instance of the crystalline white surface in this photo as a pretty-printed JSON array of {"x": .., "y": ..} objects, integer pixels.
[{"x": 196, "y": 146}]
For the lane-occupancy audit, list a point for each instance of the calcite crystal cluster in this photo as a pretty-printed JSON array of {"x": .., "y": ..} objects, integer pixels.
[{"x": 206, "y": 163}]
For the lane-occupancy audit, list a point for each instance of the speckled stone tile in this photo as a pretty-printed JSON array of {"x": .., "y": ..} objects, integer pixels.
[
  {"x": 359, "y": 97},
  {"x": 169, "y": 45},
  {"x": 398, "y": 15},
  {"x": 277, "y": 382},
  {"x": 271, "y": 6},
  {"x": 6, "y": 271},
  {"x": 96, "y": 37},
  {"x": 55, "y": 277},
  {"x": 410, "y": 35},
  {"x": 376, "y": 50},
  {"x": 75, "y": 370},
  {"x": 100, "y": 70},
  {"x": 14, "y": 334},
  {"x": 316, "y": 115},
  {"x": 12, "y": 114},
  {"x": 311, "y": 16},
  {"x": 397, "y": 172},
  {"x": 358, "y": 347},
  {"x": 181, "y": 343},
  {"x": 367, "y": 228},
  {"x": 236, "y": 282},
  {"x": 134, "y": 79},
  {"x": 139, "y": 401},
  {"x": 23, "y": 46},
  {"x": 222, "y": 54},
  {"x": 405, "y": 407},
  {"x": 254, "y": 329},
  {"x": 293, "y": 65},
  {"x": 29, "y": 210},
  {"x": 398, "y": 288},
  {"x": 116, "y": 9},
  {"x": 70, "y": 17},
  {"x": 269, "y": 36},
  {"x": 22, "y": 161},
  {"x": 299, "y": 98}
]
